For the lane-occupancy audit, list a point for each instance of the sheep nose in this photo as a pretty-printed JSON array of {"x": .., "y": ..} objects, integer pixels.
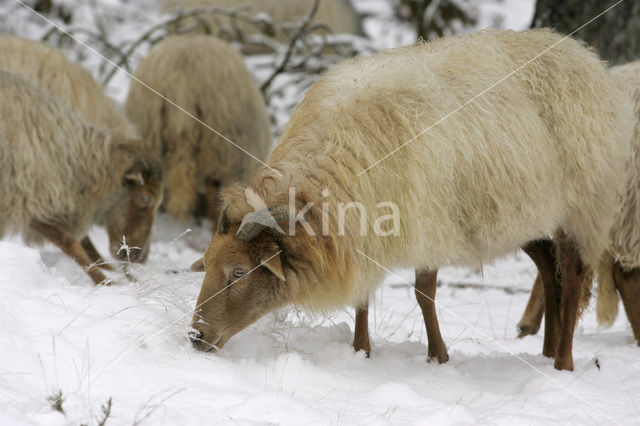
[{"x": 196, "y": 337}]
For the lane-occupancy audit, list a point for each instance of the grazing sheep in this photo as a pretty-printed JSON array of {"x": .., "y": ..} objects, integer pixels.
[
  {"x": 208, "y": 78},
  {"x": 61, "y": 174},
  {"x": 526, "y": 155},
  {"x": 338, "y": 15},
  {"x": 619, "y": 267},
  {"x": 49, "y": 69}
]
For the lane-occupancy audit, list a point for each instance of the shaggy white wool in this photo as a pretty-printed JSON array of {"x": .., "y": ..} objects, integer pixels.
[
  {"x": 208, "y": 78},
  {"x": 49, "y": 69},
  {"x": 56, "y": 167},
  {"x": 538, "y": 152}
]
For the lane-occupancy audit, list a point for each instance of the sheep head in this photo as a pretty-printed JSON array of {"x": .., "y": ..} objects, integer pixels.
[
  {"x": 244, "y": 275},
  {"x": 130, "y": 219}
]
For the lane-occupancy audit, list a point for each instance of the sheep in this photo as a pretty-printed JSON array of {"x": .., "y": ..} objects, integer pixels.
[
  {"x": 62, "y": 174},
  {"x": 619, "y": 266},
  {"x": 206, "y": 77},
  {"x": 339, "y": 15},
  {"x": 69, "y": 82},
  {"x": 530, "y": 151}
]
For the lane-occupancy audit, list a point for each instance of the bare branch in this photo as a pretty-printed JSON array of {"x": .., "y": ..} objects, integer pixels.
[{"x": 302, "y": 29}]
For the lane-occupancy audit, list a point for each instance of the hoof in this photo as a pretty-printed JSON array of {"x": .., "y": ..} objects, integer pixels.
[
  {"x": 362, "y": 347},
  {"x": 526, "y": 330},
  {"x": 441, "y": 357},
  {"x": 549, "y": 353},
  {"x": 563, "y": 364}
]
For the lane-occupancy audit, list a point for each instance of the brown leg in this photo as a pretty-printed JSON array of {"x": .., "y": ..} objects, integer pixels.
[
  {"x": 361, "y": 334},
  {"x": 532, "y": 317},
  {"x": 70, "y": 246},
  {"x": 212, "y": 189},
  {"x": 628, "y": 285},
  {"x": 573, "y": 272},
  {"x": 93, "y": 254},
  {"x": 425, "y": 290},
  {"x": 542, "y": 254}
]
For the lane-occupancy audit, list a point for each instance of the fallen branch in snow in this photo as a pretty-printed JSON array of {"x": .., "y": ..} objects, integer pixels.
[
  {"x": 106, "y": 412},
  {"x": 55, "y": 400}
]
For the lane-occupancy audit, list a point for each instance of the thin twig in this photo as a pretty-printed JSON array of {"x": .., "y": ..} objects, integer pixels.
[
  {"x": 302, "y": 30},
  {"x": 181, "y": 15}
]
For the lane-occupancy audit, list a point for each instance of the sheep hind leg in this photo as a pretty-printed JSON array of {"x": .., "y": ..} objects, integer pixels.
[
  {"x": 628, "y": 285},
  {"x": 573, "y": 274},
  {"x": 361, "y": 334},
  {"x": 71, "y": 247},
  {"x": 93, "y": 254},
  {"x": 530, "y": 322},
  {"x": 542, "y": 254},
  {"x": 212, "y": 190},
  {"x": 425, "y": 290}
]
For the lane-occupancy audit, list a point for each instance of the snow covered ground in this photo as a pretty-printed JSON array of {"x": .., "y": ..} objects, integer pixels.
[
  {"x": 128, "y": 342},
  {"x": 60, "y": 335}
]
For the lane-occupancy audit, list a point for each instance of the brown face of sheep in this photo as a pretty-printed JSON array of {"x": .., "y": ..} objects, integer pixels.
[
  {"x": 131, "y": 218},
  {"x": 243, "y": 281}
]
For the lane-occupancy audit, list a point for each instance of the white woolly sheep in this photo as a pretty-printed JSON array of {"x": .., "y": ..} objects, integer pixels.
[
  {"x": 526, "y": 155},
  {"x": 338, "y": 15},
  {"x": 50, "y": 69},
  {"x": 619, "y": 266},
  {"x": 209, "y": 79},
  {"x": 61, "y": 174}
]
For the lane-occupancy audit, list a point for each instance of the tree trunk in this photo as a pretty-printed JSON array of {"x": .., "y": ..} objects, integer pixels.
[{"x": 614, "y": 35}]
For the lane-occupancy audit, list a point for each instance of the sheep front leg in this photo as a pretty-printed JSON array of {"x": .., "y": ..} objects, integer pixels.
[
  {"x": 628, "y": 285},
  {"x": 573, "y": 272},
  {"x": 425, "y": 290},
  {"x": 542, "y": 254},
  {"x": 70, "y": 246},
  {"x": 532, "y": 317},
  {"x": 361, "y": 333},
  {"x": 93, "y": 254}
]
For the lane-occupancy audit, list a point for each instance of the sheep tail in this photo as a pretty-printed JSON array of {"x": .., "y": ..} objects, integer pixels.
[
  {"x": 585, "y": 299},
  {"x": 607, "y": 302}
]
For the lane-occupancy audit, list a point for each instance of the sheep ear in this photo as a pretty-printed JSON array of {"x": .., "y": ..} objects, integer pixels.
[
  {"x": 272, "y": 261},
  {"x": 198, "y": 265},
  {"x": 134, "y": 177}
]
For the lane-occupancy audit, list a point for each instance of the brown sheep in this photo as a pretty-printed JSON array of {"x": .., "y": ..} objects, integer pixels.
[
  {"x": 530, "y": 157},
  {"x": 62, "y": 174},
  {"x": 209, "y": 79}
]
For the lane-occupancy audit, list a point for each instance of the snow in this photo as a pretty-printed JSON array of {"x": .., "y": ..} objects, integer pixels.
[{"x": 128, "y": 342}]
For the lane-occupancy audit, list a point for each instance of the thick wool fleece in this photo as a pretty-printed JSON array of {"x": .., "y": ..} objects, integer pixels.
[{"x": 539, "y": 151}]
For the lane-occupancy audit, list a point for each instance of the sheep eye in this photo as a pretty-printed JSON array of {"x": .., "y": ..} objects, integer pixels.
[{"x": 239, "y": 273}]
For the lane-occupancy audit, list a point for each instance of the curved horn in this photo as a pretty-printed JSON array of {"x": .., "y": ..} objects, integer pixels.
[
  {"x": 254, "y": 223},
  {"x": 223, "y": 221}
]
